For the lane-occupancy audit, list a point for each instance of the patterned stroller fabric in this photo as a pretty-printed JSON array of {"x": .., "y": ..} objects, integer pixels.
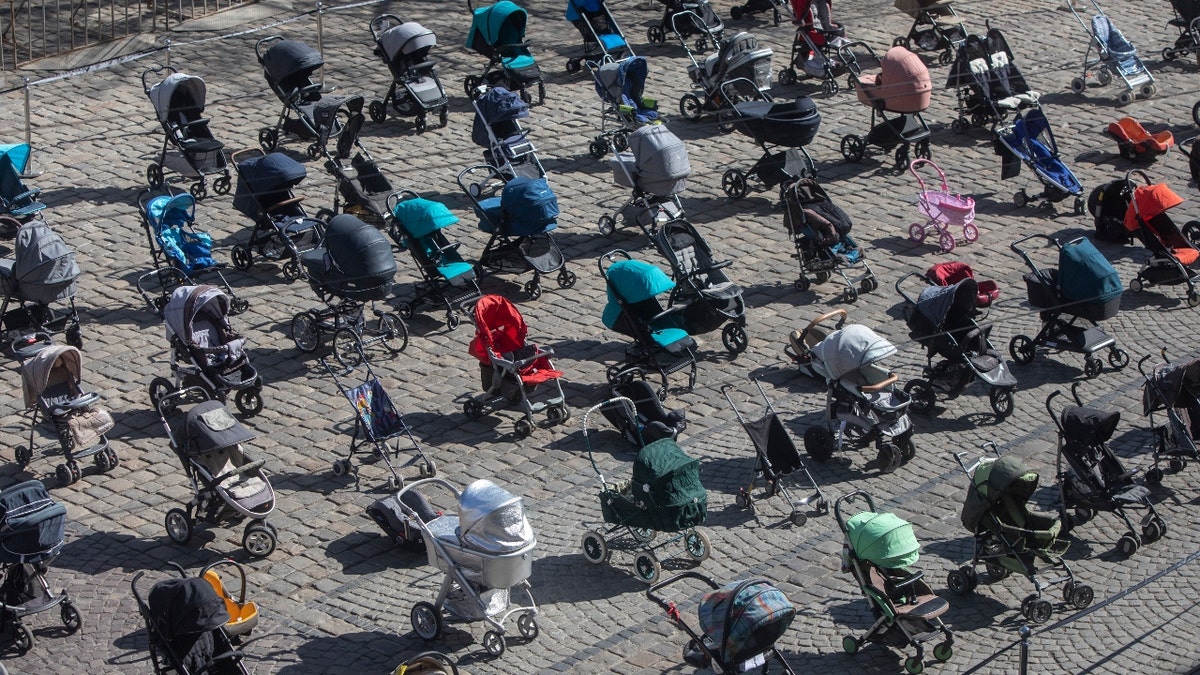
[
  {"x": 1111, "y": 40},
  {"x": 745, "y": 618},
  {"x": 171, "y": 216}
]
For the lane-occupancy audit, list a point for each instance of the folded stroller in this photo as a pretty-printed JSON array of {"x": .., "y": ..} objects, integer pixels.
[
  {"x": 206, "y": 352},
  {"x": 1134, "y": 142},
  {"x": 816, "y": 46},
  {"x": 1029, "y": 140},
  {"x": 880, "y": 550},
  {"x": 1084, "y": 286},
  {"x": 448, "y": 279},
  {"x": 776, "y": 462},
  {"x": 656, "y": 168},
  {"x": 639, "y": 414},
  {"x": 898, "y": 83},
  {"x": 686, "y": 18},
  {"x": 41, "y": 273},
  {"x": 486, "y": 552},
  {"x": 987, "y": 82},
  {"x": 416, "y": 89},
  {"x": 1172, "y": 254},
  {"x": 739, "y": 71},
  {"x": 623, "y": 106},
  {"x": 710, "y": 299},
  {"x": 32, "y": 532},
  {"x": 1187, "y": 20},
  {"x": 282, "y": 228},
  {"x": 362, "y": 189},
  {"x": 936, "y": 28},
  {"x": 228, "y": 484},
  {"x": 178, "y": 101},
  {"x": 791, "y": 125},
  {"x": 601, "y": 35},
  {"x": 498, "y": 131},
  {"x": 186, "y": 623},
  {"x": 943, "y": 208},
  {"x": 288, "y": 66},
  {"x": 820, "y": 231},
  {"x": 1115, "y": 55},
  {"x": 1173, "y": 388},
  {"x": 519, "y": 215},
  {"x": 498, "y": 32},
  {"x": 740, "y": 623},
  {"x": 1011, "y": 538},
  {"x": 512, "y": 369},
  {"x": 752, "y": 7},
  {"x": 18, "y": 202}
]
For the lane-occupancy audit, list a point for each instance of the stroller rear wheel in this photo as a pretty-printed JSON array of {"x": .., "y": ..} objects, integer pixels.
[
  {"x": 697, "y": 545},
  {"x": 818, "y": 442},
  {"x": 914, "y": 665},
  {"x": 71, "y": 619},
  {"x": 427, "y": 621},
  {"x": 646, "y": 567},
  {"x": 493, "y": 642},
  {"x": 1022, "y": 350},
  {"x": 851, "y": 644},
  {"x": 179, "y": 526},
  {"x": 258, "y": 540},
  {"x": 890, "y": 457},
  {"x": 1081, "y": 596},
  {"x": 306, "y": 331},
  {"x": 23, "y": 640},
  {"x": 595, "y": 548}
]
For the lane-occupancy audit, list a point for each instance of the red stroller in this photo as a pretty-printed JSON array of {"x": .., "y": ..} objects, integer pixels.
[{"x": 1172, "y": 253}]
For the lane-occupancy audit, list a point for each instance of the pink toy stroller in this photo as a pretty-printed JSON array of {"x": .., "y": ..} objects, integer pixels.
[{"x": 944, "y": 209}]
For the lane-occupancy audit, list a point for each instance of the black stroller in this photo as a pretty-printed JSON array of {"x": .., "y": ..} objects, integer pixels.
[
  {"x": 185, "y": 620},
  {"x": 898, "y": 83},
  {"x": 282, "y": 229},
  {"x": 643, "y": 419},
  {"x": 178, "y": 102},
  {"x": 41, "y": 273},
  {"x": 32, "y": 531},
  {"x": 987, "y": 82},
  {"x": 498, "y": 32},
  {"x": 18, "y": 203},
  {"x": 1187, "y": 20},
  {"x": 656, "y": 169},
  {"x": 820, "y": 232},
  {"x": 710, "y": 299},
  {"x": 362, "y": 189},
  {"x": 288, "y": 67},
  {"x": 792, "y": 125},
  {"x": 497, "y": 129},
  {"x": 1175, "y": 389},
  {"x": 449, "y": 280},
  {"x": 686, "y": 18},
  {"x": 416, "y": 89},
  {"x": 752, "y": 7}
]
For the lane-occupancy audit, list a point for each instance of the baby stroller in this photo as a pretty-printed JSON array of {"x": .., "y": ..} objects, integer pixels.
[
  {"x": 178, "y": 101},
  {"x": 1084, "y": 286},
  {"x": 1029, "y": 140},
  {"x": 739, "y": 71},
  {"x": 206, "y": 352},
  {"x": 18, "y": 203},
  {"x": 448, "y": 279},
  {"x": 820, "y": 231},
  {"x": 498, "y": 32},
  {"x": 942, "y": 321},
  {"x": 486, "y": 552},
  {"x": 42, "y": 272},
  {"x": 601, "y": 35},
  {"x": 816, "y": 46},
  {"x": 950, "y": 273},
  {"x": 792, "y": 125},
  {"x": 34, "y": 528},
  {"x": 416, "y": 89},
  {"x": 943, "y": 209},
  {"x": 776, "y": 462},
  {"x": 686, "y": 18},
  {"x": 710, "y": 299},
  {"x": 186, "y": 621},
  {"x": 899, "y": 83},
  {"x": 880, "y": 550},
  {"x": 1011, "y": 538},
  {"x": 228, "y": 484},
  {"x": 362, "y": 189},
  {"x": 1173, "y": 388},
  {"x": 987, "y": 82},
  {"x": 740, "y": 623},
  {"x": 1172, "y": 254},
  {"x": 1115, "y": 55},
  {"x": 288, "y": 66},
  {"x": 511, "y": 368},
  {"x": 282, "y": 229},
  {"x": 623, "y": 105},
  {"x": 936, "y": 27},
  {"x": 752, "y": 7},
  {"x": 656, "y": 168},
  {"x": 661, "y": 343},
  {"x": 1092, "y": 479},
  {"x": 636, "y": 411},
  {"x": 1187, "y": 20},
  {"x": 498, "y": 131}
]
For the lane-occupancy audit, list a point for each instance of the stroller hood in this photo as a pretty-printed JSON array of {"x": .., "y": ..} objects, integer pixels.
[
  {"x": 209, "y": 427},
  {"x": 265, "y": 175},
  {"x": 623, "y": 82},
  {"x": 1085, "y": 275},
  {"x": 16, "y": 154},
  {"x": 902, "y": 86},
  {"x": 502, "y": 24},
  {"x": 288, "y": 58},
  {"x": 992, "y": 480},
  {"x": 187, "y": 302},
  {"x": 407, "y": 38},
  {"x": 528, "y": 206},
  {"x": 357, "y": 250},
  {"x": 660, "y": 160},
  {"x": 492, "y": 519},
  {"x": 32, "y": 525},
  {"x": 499, "y": 327},
  {"x": 45, "y": 266},
  {"x": 1089, "y": 426},
  {"x": 940, "y": 303},
  {"x": 665, "y": 476},
  {"x": 883, "y": 539},
  {"x": 421, "y": 217},
  {"x": 36, "y": 371},
  {"x": 186, "y": 606},
  {"x": 792, "y": 124},
  {"x": 633, "y": 281},
  {"x": 177, "y": 93},
  {"x": 848, "y": 349},
  {"x": 745, "y": 618},
  {"x": 498, "y": 105},
  {"x": 1149, "y": 202},
  {"x": 1168, "y": 386}
]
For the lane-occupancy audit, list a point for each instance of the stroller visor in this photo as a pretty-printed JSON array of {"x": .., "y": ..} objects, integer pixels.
[
  {"x": 948, "y": 304},
  {"x": 45, "y": 266},
  {"x": 1148, "y": 203},
  {"x": 36, "y": 371},
  {"x": 399, "y": 42},
  {"x": 1089, "y": 426},
  {"x": 179, "y": 92},
  {"x": 186, "y": 606},
  {"x": 290, "y": 58},
  {"x": 421, "y": 217},
  {"x": 848, "y": 349},
  {"x": 902, "y": 86},
  {"x": 497, "y": 106},
  {"x": 492, "y": 519},
  {"x": 883, "y": 539},
  {"x": 501, "y": 25},
  {"x": 633, "y": 281},
  {"x": 745, "y": 618},
  {"x": 17, "y": 155},
  {"x": 265, "y": 176},
  {"x": 992, "y": 481},
  {"x": 189, "y": 302},
  {"x": 499, "y": 327},
  {"x": 1085, "y": 275},
  {"x": 210, "y": 427},
  {"x": 32, "y": 525},
  {"x": 357, "y": 250},
  {"x": 528, "y": 207}
]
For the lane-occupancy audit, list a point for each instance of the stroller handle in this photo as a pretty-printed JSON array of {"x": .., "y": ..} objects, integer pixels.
[
  {"x": 439, "y": 482},
  {"x": 759, "y": 95},
  {"x": 912, "y": 168},
  {"x": 229, "y": 562},
  {"x": 900, "y": 288},
  {"x": 238, "y": 156},
  {"x": 380, "y": 24},
  {"x": 1144, "y": 359},
  {"x": 849, "y": 499},
  {"x": 398, "y": 196},
  {"x": 1054, "y": 394},
  {"x": 695, "y": 19},
  {"x": 611, "y": 257},
  {"x": 474, "y": 190},
  {"x": 157, "y": 68},
  {"x": 725, "y": 390},
  {"x": 629, "y": 406},
  {"x": 258, "y": 46},
  {"x": 652, "y": 592}
]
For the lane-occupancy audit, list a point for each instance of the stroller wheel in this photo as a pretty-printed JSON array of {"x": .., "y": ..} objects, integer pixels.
[
  {"x": 199, "y": 190},
  {"x": 522, "y": 428},
  {"x": 23, "y": 640},
  {"x": 377, "y": 111},
  {"x": 734, "y": 338},
  {"x": 1125, "y": 98},
  {"x": 1152, "y": 531},
  {"x": 71, "y": 619},
  {"x": 798, "y": 518},
  {"x": 566, "y": 279},
  {"x": 643, "y": 534},
  {"x": 646, "y": 567},
  {"x": 154, "y": 175},
  {"x": 241, "y": 257},
  {"x": 734, "y": 184},
  {"x": 1154, "y": 476},
  {"x": 595, "y": 549},
  {"x": 179, "y": 526},
  {"x": 1077, "y": 206},
  {"x": 946, "y": 57},
  {"x": 690, "y": 107},
  {"x": 607, "y": 225},
  {"x": 24, "y": 454},
  {"x": 258, "y": 540},
  {"x": 957, "y": 582},
  {"x": 1082, "y": 596},
  {"x": 348, "y": 347},
  {"x": 1078, "y": 85},
  {"x": 743, "y": 500},
  {"x": 1127, "y": 545},
  {"x": 697, "y": 545},
  {"x": 597, "y": 149},
  {"x": 452, "y": 320},
  {"x": 890, "y": 457},
  {"x": 533, "y": 289},
  {"x": 527, "y": 626},
  {"x": 427, "y": 621},
  {"x": 916, "y": 232},
  {"x": 222, "y": 185},
  {"x": 249, "y": 401},
  {"x": 493, "y": 642},
  {"x": 306, "y": 332},
  {"x": 471, "y": 86},
  {"x": 1021, "y": 349},
  {"x": 1092, "y": 367},
  {"x": 787, "y": 76},
  {"x": 1041, "y": 611},
  {"x": 63, "y": 474},
  {"x": 291, "y": 271},
  {"x": 851, "y": 644},
  {"x": 818, "y": 442},
  {"x": 1001, "y": 401},
  {"x": 802, "y": 284},
  {"x": 914, "y": 665}
]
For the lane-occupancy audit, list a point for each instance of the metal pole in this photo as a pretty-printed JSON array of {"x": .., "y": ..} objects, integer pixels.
[
  {"x": 321, "y": 43},
  {"x": 167, "y": 46},
  {"x": 1024, "y": 632},
  {"x": 29, "y": 171}
]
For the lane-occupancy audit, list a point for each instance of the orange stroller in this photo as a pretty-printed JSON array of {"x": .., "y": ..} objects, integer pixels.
[{"x": 1172, "y": 253}]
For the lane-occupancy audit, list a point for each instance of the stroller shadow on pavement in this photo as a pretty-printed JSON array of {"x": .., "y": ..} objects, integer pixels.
[
  {"x": 365, "y": 652},
  {"x": 370, "y": 552},
  {"x": 578, "y": 581}
]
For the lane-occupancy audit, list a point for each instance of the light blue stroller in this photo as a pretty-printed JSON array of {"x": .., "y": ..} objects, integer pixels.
[{"x": 1115, "y": 55}]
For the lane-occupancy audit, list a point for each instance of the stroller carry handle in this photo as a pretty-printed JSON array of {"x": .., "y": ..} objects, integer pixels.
[
  {"x": 611, "y": 257},
  {"x": 759, "y": 94},
  {"x": 667, "y": 606},
  {"x": 229, "y": 562},
  {"x": 839, "y": 312},
  {"x": 587, "y": 441},
  {"x": 1129, "y": 176},
  {"x": 382, "y": 22},
  {"x": 1162, "y": 352},
  {"x": 408, "y": 510},
  {"x": 912, "y": 168},
  {"x": 291, "y": 201},
  {"x": 248, "y": 153},
  {"x": 258, "y": 46},
  {"x": 156, "y": 69},
  {"x": 398, "y": 196},
  {"x": 876, "y": 388},
  {"x": 857, "y": 495}
]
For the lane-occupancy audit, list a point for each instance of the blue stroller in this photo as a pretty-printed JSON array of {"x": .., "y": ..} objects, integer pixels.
[
  {"x": 282, "y": 229},
  {"x": 497, "y": 129},
  {"x": 624, "y": 108},
  {"x": 1115, "y": 55},
  {"x": 448, "y": 279},
  {"x": 1029, "y": 139},
  {"x": 602, "y": 37},
  {"x": 498, "y": 32},
  {"x": 17, "y": 202}
]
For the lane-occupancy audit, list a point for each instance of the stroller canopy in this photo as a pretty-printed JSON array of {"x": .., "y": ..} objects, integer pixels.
[
  {"x": 745, "y": 618},
  {"x": 1089, "y": 426},
  {"x": 289, "y": 59},
  {"x": 17, "y": 155},
  {"x": 660, "y": 160},
  {"x": 883, "y": 539},
  {"x": 264, "y": 177},
  {"x": 1148, "y": 203},
  {"x": 623, "y": 83},
  {"x": 528, "y": 206},
  {"x": 421, "y": 217},
  {"x": 189, "y": 302},
  {"x": 1033, "y": 141},
  {"x": 994, "y": 480},
  {"x": 1085, "y": 275},
  {"x": 666, "y": 477},
  {"x": 1169, "y": 386},
  {"x": 37, "y": 371},
  {"x": 357, "y": 250},
  {"x": 32, "y": 525},
  {"x": 407, "y": 42},
  {"x": 792, "y": 124},
  {"x": 492, "y": 519},
  {"x": 171, "y": 210},
  {"x": 179, "y": 92},
  {"x": 210, "y": 427},
  {"x": 941, "y": 305},
  {"x": 499, "y": 327},
  {"x": 634, "y": 281},
  {"x": 902, "y": 86},
  {"x": 500, "y": 25},
  {"x": 497, "y": 106},
  {"x": 848, "y": 349},
  {"x": 187, "y": 606},
  {"x": 45, "y": 266}
]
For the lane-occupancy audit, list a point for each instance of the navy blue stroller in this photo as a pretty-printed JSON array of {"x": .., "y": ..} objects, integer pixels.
[
  {"x": 282, "y": 229},
  {"x": 1029, "y": 140},
  {"x": 497, "y": 129}
]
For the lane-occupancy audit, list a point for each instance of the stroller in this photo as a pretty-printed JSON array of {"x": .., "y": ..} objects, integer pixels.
[
  {"x": 987, "y": 82},
  {"x": 228, "y": 484},
  {"x": 661, "y": 343},
  {"x": 206, "y": 352},
  {"x": 362, "y": 189},
  {"x": 486, "y": 552},
  {"x": 1187, "y": 20},
  {"x": 282, "y": 229},
  {"x": 1172, "y": 254},
  {"x": 1010, "y": 538},
  {"x": 656, "y": 168},
  {"x": 740, "y": 623},
  {"x": 178, "y": 101},
  {"x": 288, "y": 67},
  {"x": 1092, "y": 479},
  {"x": 34, "y": 528},
  {"x": 416, "y": 89},
  {"x": 636, "y": 411},
  {"x": 1084, "y": 286},
  {"x": 752, "y": 7},
  {"x": 936, "y": 28},
  {"x": 448, "y": 279},
  {"x": 1029, "y": 140},
  {"x": 511, "y": 368},
  {"x": 950, "y": 273},
  {"x": 792, "y": 125},
  {"x": 187, "y": 624},
  {"x": 739, "y": 71},
  {"x": 776, "y": 460},
  {"x": 498, "y": 32},
  {"x": 623, "y": 106},
  {"x": 899, "y": 83},
  {"x": 519, "y": 215},
  {"x": 943, "y": 209},
  {"x": 686, "y": 18},
  {"x": 18, "y": 203},
  {"x": 862, "y": 403},
  {"x": 1115, "y": 55},
  {"x": 816, "y": 46},
  {"x": 41, "y": 272},
  {"x": 710, "y": 299},
  {"x": 1173, "y": 388},
  {"x": 942, "y": 321},
  {"x": 820, "y": 231},
  {"x": 880, "y": 550},
  {"x": 602, "y": 37},
  {"x": 497, "y": 129}
]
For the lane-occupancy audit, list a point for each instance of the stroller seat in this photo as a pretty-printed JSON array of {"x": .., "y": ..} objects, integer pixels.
[
  {"x": 910, "y": 597},
  {"x": 238, "y": 478}
]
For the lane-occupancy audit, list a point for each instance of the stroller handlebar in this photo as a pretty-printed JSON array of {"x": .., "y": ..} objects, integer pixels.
[
  {"x": 611, "y": 257},
  {"x": 380, "y": 24},
  {"x": 587, "y": 442},
  {"x": 848, "y": 499},
  {"x": 157, "y": 68},
  {"x": 900, "y": 289},
  {"x": 258, "y": 51},
  {"x": 652, "y": 592},
  {"x": 891, "y": 379}
]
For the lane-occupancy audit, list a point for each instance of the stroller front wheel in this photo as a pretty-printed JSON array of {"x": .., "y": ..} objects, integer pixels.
[
  {"x": 697, "y": 545},
  {"x": 71, "y": 619},
  {"x": 646, "y": 567},
  {"x": 179, "y": 526},
  {"x": 427, "y": 621},
  {"x": 595, "y": 549},
  {"x": 258, "y": 540},
  {"x": 493, "y": 642},
  {"x": 249, "y": 401}
]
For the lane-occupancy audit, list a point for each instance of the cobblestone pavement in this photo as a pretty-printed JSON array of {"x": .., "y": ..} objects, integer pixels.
[{"x": 336, "y": 595}]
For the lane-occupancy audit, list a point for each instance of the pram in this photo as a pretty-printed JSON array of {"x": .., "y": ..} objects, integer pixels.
[
  {"x": 898, "y": 83},
  {"x": 186, "y": 622},
  {"x": 1187, "y": 20},
  {"x": 511, "y": 368},
  {"x": 792, "y": 125},
  {"x": 34, "y": 529},
  {"x": 1173, "y": 388},
  {"x": 282, "y": 228},
  {"x": 498, "y": 131},
  {"x": 740, "y": 623},
  {"x": 448, "y": 279},
  {"x": 182, "y": 255},
  {"x": 656, "y": 168},
  {"x": 288, "y": 66},
  {"x": 206, "y": 352},
  {"x": 943, "y": 209},
  {"x": 776, "y": 462},
  {"x": 416, "y": 89},
  {"x": 623, "y": 106},
  {"x": 601, "y": 35},
  {"x": 686, "y": 18},
  {"x": 820, "y": 232},
  {"x": 228, "y": 484},
  {"x": 498, "y": 32},
  {"x": 1011, "y": 538},
  {"x": 1172, "y": 254},
  {"x": 362, "y": 189},
  {"x": 486, "y": 552},
  {"x": 1084, "y": 286},
  {"x": 710, "y": 299},
  {"x": 987, "y": 82},
  {"x": 942, "y": 321},
  {"x": 660, "y": 342},
  {"x": 1092, "y": 479},
  {"x": 880, "y": 550},
  {"x": 816, "y": 46},
  {"x": 1029, "y": 140},
  {"x": 636, "y": 411},
  {"x": 18, "y": 203},
  {"x": 353, "y": 265},
  {"x": 41, "y": 273},
  {"x": 739, "y": 71},
  {"x": 936, "y": 27},
  {"x": 178, "y": 101},
  {"x": 1115, "y": 55}
]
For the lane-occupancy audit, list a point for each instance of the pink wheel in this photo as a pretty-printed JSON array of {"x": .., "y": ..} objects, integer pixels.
[
  {"x": 970, "y": 233},
  {"x": 916, "y": 232},
  {"x": 946, "y": 241}
]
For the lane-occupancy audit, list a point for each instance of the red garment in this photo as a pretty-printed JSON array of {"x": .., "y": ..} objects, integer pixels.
[{"x": 950, "y": 273}]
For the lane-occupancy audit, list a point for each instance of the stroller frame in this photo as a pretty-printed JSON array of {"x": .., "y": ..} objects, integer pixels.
[
  {"x": 617, "y": 120},
  {"x": 205, "y": 161},
  {"x": 657, "y": 33},
  {"x": 270, "y": 138},
  {"x": 594, "y": 48},
  {"x": 274, "y": 238},
  {"x": 403, "y": 102},
  {"x": 711, "y": 96},
  {"x": 496, "y": 74},
  {"x": 666, "y": 207},
  {"x": 1189, "y": 31},
  {"x": 936, "y": 20},
  {"x": 815, "y": 259},
  {"x": 803, "y": 48},
  {"x": 1106, "y": 63},
  {"x": 693, "y": 283},
  {"x": 1172, "y": 441},
  {"x": 162, "y": 658}
]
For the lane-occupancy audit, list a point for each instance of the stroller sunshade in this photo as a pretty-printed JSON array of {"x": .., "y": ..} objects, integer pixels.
[
  {"x": 32, "y": 525},
  {"x": 187, "y": 606},
  {"x": 178, "y": 93},
  {"x": 492, "y": 519},
  {"x": 502, "y": 24},
  {"x": 947, "y": 304},
  {"x": 288, "y": 59},
  {"x": 1089, "y": 425},
  {"x": 528, "y": 207},
  {"x": 209, "y": 427},
  {"x": 189, "y": 302},
  {"x": 850, "y": 348},
  {"x": 421, "y": 217},
  {"x": 261, "y": 180},
  {"x": 902, "y": 85},
  {"x": 497, "y": 106},
  {"x": 883, "y": 539},
  {"x": 408, "y": 38},
  {"x": 44, "y": 265},
  {"x": 1085, "y": 275}
]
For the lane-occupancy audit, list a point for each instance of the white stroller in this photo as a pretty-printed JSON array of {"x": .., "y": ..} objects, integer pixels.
[
  {"x": 656, "y": 168},
  {"x": 486, "y": 552},
  {"x": 1115, "y": 55}
]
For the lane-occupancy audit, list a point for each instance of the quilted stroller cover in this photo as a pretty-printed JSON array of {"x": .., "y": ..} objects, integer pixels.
[
  {"x": 354, "y": 261},
  {"x": 265, "y": 181},
  {"x": 883, "y": 539},
  {"x": 745, "y": 618},
  {"x": 44, "y": 269},
  {"x": 500, "y": 329},
  {"x": 178, "y": 93},
  {"x": 658, "y": 160},
  {"x": 492, "y": 519},
  {"x": 791, "y": 124},
  {"x": 847, "y": 350},
  {"x": 902, "y": 85},
  {"x": 32, "y": 525}
]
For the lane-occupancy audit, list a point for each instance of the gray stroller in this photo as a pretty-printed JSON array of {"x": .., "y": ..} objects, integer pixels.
[{"x": 656, "y": 168}]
